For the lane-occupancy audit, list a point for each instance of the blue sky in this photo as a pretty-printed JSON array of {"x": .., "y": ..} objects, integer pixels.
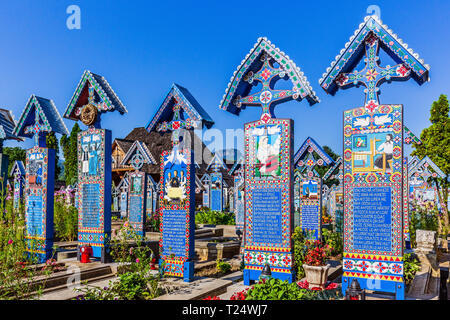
[{"x": 142, "y": 47}]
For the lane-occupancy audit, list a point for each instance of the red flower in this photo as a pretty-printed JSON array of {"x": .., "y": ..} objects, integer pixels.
[
  {"x": 212, "y": 298},
  {"x": 303, "y": 284},
  {"x": 332, "y": 286}
]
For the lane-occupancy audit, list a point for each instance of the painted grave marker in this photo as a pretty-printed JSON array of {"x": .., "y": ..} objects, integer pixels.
[
  {"x": 7, "y": 129},
  {"x": 373, "y": 157},
  {"x": 39, "y": 118},
  {"x": 268, "y": 157},
  {"x": 178, "y": 113},
  {"x": 137, "y": 156},
  {"x": 309, "y": 192},
  {"x": 19, "y": 173},
  {"x": 93, "y": 97}
]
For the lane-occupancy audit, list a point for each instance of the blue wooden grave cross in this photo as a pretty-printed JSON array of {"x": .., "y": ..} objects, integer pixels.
[
  {"x": 37, "y": 130},
  {"x": 175, "y": 125},
  {"x": 372, "y": 75},
  {"x": 267, "y": 97}
]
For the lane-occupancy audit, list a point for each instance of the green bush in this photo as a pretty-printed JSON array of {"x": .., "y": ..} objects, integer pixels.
[
  {"x": 15, "y": 274},
  {"x": 65, "y": 221},
  {"x": 128, "y": 286},
  {"x": 275, "y": 289},
  {"x": 410, "y": 266},
  {"x": 207, "y": 216},
  {"x": 222, "y": 266},
  {"x": 300, "y": 250},
  {"x": 334, "y": 240}
]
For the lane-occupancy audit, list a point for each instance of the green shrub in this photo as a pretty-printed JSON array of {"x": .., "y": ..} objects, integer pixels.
[
  {"x": 275, "y": 289},
  {"x": 300, "y": 250},
  {"x": 410, "y": 266},
  {"x": 334, "y": 240},
  {"x": 65, "y": 221},
  {"x": 206, "y": 216},
  {"x": 222, "y": 266},
  {"x": 128, "y": 286}
]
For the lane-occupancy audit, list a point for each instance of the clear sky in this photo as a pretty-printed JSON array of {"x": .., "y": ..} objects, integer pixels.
[{"x": 142, "y": 47}]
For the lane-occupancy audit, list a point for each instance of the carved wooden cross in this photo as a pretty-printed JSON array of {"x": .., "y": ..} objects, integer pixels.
[
  {"x": 372, "y": 76},
  {"x": 267, "y": 97},
  {"x": 175, "y": 125}
]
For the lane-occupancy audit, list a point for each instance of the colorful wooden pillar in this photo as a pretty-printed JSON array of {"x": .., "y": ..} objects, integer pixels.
[
  {"x": 310, "y": 155},
  {"x": 123, "y": 193},
  {"x": 7, "y": 126},
  {"x": 237, "y": 171},
  {"x": 373, "y": 157},
  {"x": 39, "y": 118},
  {"x": 152, "y": 195},
  {"x": 19, "y": 173},
  {"x": 268, "y": 157},
  {"x": 179, "y": 114},
  {"x": 138, "y": 156},
  {"x": 216, "y": 188},
  {"x": 206, "y": 181},
  {"x": 93, "y": 97}
]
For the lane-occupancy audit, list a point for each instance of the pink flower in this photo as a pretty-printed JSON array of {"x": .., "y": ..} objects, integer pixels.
[
  {"x": 10, "y": 241},
  {"x": 137, "y": 260}
]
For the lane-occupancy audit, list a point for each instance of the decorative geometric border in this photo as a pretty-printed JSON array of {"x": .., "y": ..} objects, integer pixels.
[
  {"x": 193, "y": 109},
  {"x": 177, "y": 261},
  {"x": 103, "y": 89},
  {"x": 405, "y": 200},
  {"x": 398, "y": 50},
  {"x": 138, "y": 226},
  {"x": 93, "y": 236},
  {"x": 297, "y": 77},
  {"x": 393, "y": 180},
  {"x": 284, "y": 183},
  {"x": 45, "y": 239},
  {"x": 311, "y": 143},
  {"x": 313, "y": 202}
]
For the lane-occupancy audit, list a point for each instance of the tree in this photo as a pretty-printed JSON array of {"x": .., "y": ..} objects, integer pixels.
[
  {"x": 436, "y": 145},
  {"x": 70, "y": 151},
  {"x": 14, "y": 153},
  {"x": 52, "y": 143}
]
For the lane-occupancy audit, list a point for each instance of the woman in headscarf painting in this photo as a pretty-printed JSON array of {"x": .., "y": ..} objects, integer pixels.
[{"x": 387, "y": 148}]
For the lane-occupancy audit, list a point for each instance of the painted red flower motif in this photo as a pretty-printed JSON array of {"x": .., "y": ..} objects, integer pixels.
[
  {"x": 371, "y": 106},
  {"x": 403, "y": 70}
]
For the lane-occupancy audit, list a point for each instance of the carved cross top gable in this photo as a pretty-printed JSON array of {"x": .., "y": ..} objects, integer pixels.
[
  {"x": 372, "y": 75},
  {"x": 267, "y": 97},
  {"x": 176, "y": 124}
]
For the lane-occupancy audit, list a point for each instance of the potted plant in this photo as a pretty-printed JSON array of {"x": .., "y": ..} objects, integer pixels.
[{"x": 315, "y": 264}]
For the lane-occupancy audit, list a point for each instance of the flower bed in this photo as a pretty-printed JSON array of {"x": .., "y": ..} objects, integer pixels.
[{"x": 275, "y": 289}]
